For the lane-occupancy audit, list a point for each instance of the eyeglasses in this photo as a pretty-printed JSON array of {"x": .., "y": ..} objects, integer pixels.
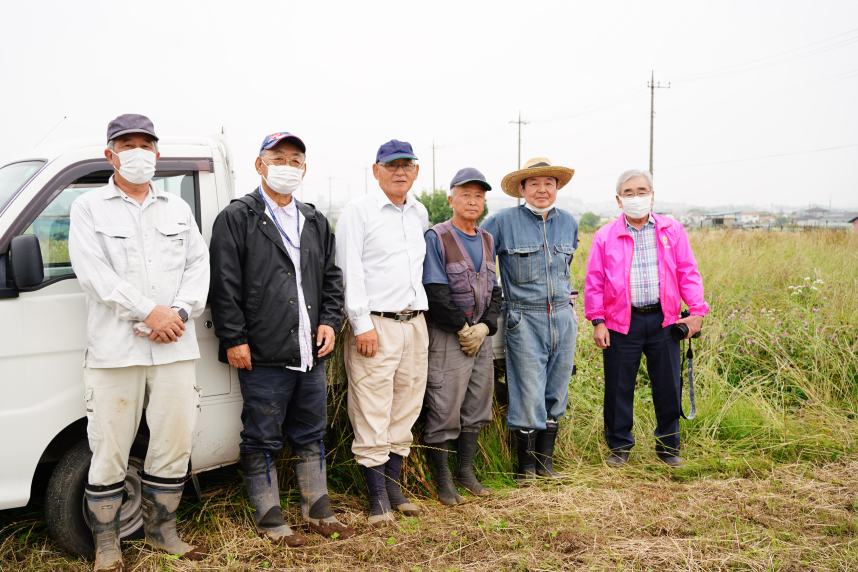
[
  {"x": 407, "y": 167},
  {"x": 282, "y": 162},
  {"x": 639, "y": 193}
]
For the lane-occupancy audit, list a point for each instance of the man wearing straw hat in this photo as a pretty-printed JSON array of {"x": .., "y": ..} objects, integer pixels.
[
  {"x": 464, "y": 305},
  {"x": 534, "y": 243}
]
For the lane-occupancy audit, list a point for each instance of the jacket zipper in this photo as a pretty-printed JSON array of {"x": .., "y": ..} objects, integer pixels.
[{"x": 477, "y": 311}]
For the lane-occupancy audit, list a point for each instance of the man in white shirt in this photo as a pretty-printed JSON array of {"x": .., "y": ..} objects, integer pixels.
[
  {"x": 380, "y": 249},
  {"x": 142, "y": 262}
]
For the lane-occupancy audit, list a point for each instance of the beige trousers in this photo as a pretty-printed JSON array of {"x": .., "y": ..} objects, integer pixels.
[
  {"x": 386, "y": 391},
  {"x": 115, "y": 398}
]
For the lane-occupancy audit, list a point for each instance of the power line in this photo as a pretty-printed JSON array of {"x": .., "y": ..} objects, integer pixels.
[{"x": 764, "y": 157}]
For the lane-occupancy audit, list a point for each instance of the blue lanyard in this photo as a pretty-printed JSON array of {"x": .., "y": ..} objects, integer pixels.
[{"x": 297, "y": 219}]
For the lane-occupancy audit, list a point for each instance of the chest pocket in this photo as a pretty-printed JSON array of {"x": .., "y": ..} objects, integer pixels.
[
  {"x": 115, "y": 240},
  {"x": 457, "y": 277},
  {"x": 173, "y": 245},
  {"x": 564, "y": 254},
  {"x": 525, "y": 264}
]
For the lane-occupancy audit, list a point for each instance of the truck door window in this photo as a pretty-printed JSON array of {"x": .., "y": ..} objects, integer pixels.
[
  {"x": 52, "y": 225},
  {"x": 15, "y": 176}
]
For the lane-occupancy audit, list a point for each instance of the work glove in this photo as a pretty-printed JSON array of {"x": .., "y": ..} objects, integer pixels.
[{"x": 472, "y": 339}]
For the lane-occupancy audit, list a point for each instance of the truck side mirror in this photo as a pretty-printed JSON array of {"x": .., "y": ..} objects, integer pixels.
[{"x": 27, "y": 267}]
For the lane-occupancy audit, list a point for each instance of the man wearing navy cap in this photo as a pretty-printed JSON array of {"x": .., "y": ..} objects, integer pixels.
[
  {"x": 464, "y": 306},
  {"x": 144, "y": 267},
  {"x": 381, "y": 250},
  {"x": 277, "y": 299}
]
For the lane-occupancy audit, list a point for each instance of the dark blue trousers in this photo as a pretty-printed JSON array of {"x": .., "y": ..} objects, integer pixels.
[
  {"x": 279, "y": 400},
  {"x": 622, "y": 359}
]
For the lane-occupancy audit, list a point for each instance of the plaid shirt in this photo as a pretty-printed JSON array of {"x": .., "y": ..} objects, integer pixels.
[{"x": 644, "y": 274}]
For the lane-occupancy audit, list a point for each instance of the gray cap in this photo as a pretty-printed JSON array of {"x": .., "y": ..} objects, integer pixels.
[
  {"x": 130, "y": 123},
  {"x": 468, "y": 175}
]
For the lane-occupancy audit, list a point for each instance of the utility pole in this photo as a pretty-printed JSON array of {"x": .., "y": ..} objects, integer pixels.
[
  {"x": 520, "y": 122},
  {"x": 329, "y": 198},
  {"x": 652, "y": 87},
  {"x": 433, "y": 163}
]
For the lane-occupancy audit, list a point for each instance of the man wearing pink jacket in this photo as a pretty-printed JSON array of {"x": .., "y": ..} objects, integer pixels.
[{"x": 641, "y": 268}]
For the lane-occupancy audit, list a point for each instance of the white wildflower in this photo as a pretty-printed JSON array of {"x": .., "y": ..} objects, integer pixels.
[
  {"x": 818, "y": 281},
  {"x": 807, "y": 279}
]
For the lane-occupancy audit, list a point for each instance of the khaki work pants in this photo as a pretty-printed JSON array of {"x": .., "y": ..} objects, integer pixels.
[
  {"x": 115, "y": 398},
  {"x": 386, "y": 391}
]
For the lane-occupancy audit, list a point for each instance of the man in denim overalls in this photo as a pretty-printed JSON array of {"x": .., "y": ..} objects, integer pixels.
[{"x": 534, "y": 243}]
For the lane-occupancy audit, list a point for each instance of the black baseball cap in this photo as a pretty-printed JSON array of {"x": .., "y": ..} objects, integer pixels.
[
  {"x": 470, "y": 175},
  {"x": 130, "y": 123}
]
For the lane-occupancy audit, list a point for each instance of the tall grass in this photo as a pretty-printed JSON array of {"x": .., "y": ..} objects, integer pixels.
[{"x": 776, "y": 369}]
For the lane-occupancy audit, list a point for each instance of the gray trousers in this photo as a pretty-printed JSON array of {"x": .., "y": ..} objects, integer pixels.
[{"x": 459, "y": 388}]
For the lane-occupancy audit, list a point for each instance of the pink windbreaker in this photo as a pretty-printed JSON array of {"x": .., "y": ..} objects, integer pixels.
[{"x": 606, "y": 287}]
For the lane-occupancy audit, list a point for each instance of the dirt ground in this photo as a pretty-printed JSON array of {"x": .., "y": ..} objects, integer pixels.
[{"x": 791, "y": 518}]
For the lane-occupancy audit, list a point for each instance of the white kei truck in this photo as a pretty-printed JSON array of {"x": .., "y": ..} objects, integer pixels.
[{"x": 43, "y": 318}]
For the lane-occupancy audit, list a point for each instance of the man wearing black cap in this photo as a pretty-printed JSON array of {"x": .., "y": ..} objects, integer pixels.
[
  {"x": 381, "y": 251},
  {"x": 277, "y": 299},
  {"x": 142, "y": 262},
  {"x": 464, "y": 306}
]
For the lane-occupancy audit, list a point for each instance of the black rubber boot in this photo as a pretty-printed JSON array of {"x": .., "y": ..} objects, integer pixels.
[
  {"x": 544, "y": 451},
  {"x": 465, "y": 477},
  {"x": 313, "y": 484},
  {"x": 102, "y": 511},
  {"x": 439, "y": 455},
  {"x": 160, "y": 501},
  {"x": 525, "y": 444},
  {"x": 260, "y": 478},
  {"x": 392, "y": 468},
  {"x": 380, "y": 512}
]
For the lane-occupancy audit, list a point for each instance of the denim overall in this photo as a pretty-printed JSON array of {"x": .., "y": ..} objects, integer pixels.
[{"x": 540, "y": 327}]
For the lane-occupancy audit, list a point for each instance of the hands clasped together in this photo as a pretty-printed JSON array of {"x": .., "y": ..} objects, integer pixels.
[{"x": 471, "y": 338}]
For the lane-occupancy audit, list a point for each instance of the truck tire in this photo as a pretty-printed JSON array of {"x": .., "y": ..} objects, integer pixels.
[{"x": 64, "y": 508}]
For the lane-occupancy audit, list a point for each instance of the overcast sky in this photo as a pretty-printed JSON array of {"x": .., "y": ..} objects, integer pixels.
[{"x": 748, "y": 80}]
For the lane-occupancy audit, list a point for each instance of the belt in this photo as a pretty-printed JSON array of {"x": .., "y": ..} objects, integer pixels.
[
  {"x": 648, "y": 309},
  {"x": 399, "y": 316}
]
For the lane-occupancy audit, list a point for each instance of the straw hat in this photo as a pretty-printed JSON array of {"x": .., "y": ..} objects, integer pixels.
[{"x": 537, "y": 167}]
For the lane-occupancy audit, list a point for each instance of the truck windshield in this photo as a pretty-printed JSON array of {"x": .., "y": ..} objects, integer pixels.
[{"x": 15, "y": 176}]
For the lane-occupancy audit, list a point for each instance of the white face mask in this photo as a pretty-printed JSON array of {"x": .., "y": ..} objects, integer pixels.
[
  {"x": 637, "y": 207},
  {"x": 538, "y": 210},
  {"x": 136, "y": 166},
  {"x": 284, "y": 180}
]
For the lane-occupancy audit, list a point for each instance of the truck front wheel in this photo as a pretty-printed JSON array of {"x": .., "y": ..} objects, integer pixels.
[{"x": 64, "y": 508}]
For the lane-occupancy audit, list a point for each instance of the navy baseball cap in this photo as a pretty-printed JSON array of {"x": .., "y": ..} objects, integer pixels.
[
  {"x": 130, "y": 123},
  {"x": 394, "y": 149},
  {"x": 470, "y": 175},
  {"x": 276, "y": 138}
]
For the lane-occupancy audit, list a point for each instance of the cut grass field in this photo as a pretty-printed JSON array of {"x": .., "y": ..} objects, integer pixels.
[{"x": 771, "y": 481}]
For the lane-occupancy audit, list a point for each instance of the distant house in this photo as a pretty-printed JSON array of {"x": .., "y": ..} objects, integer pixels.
[
  {"x": 827, "y": 220},
  {"x": 724, "y": 219},
  {"x": 815, "y": 212},
  {"x": 749, "y": 217},
  {"x": 854, "y": 222}
]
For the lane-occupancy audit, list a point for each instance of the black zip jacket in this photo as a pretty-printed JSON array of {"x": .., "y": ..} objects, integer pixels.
[
  {"x": 450, "y": 318},
  {"x": 254, "y": 293}
]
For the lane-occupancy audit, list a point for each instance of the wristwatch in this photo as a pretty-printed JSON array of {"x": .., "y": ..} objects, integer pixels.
[
  {"x": 597, "y": 321},
  {"x": 182, "y": 314}
]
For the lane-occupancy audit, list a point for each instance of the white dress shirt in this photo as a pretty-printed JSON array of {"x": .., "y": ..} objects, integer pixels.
[
  {"x": 130, "y": 257},
  {"x": 291, "y": 222},
  {"x": 380, "y": 249}
]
